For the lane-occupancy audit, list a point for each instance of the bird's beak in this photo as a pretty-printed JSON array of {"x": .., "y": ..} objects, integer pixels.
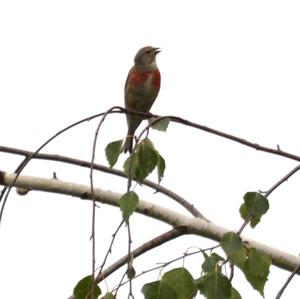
[{"x": 156, "y": 50}]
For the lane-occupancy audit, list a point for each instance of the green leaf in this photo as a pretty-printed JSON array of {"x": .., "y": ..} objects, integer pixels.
[
  {"x": 160, "y": 125},
  {"x": 142, "y": 162},
  {"x": 255, "y": 205},
  {"x": 256, "y": 269},
  {"x": 235, "y": 294},
  {"x": 128, "y": 204},
  {"x": 158, "y": 290},
  {"x": 161, "y": 166},
  {"x": 83, "y": 289},
  {"x": 243, "y": 211},
  {"x": 182, "y": 282},
  {"x": 109, "y": 296},
  {"x": 211, "y": 262},
  {"x": 132, "y": 165},
  {"x": 233, "y": 246},
  {"x": 112, "y": 152},
  {"x": 257, "y": 202},
  {"x": 147, "y": 156},
  {"x": 231, "y": 243},
  {"x": 215, "y": 285}
]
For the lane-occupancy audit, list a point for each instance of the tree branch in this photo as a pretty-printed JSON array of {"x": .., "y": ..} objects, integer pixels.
[
  {"x": 295, "y": 271},
  {"x": 64, "y": 159},
  {"x": 170, "y": 235},
  {"x": 282, "y": 180},
  {"x": 193, "y": 225},
  {"x": 198, "y": 126}
]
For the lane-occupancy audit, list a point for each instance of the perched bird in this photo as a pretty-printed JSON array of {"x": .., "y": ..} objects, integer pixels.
[{"x": 141, "y": 89}]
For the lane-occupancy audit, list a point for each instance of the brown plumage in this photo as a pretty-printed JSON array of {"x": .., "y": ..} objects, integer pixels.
[{"x": 141, "y": 89}]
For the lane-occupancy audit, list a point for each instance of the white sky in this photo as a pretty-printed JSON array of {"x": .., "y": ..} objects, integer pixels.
[{"x": 230, "y": 65}]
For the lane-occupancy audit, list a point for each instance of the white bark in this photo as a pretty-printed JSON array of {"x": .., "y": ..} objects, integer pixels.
[{"x": 195, "y": 226}]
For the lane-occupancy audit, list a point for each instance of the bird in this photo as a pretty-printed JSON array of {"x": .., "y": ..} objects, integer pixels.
[{"x": 141, "y": 89}]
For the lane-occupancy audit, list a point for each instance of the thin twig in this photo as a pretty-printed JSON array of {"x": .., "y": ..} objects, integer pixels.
[
  {"x": 109, "y": 250},
  {"x": 281, "y": 181},
  {"x": 267, "y": 194},
  {"x": 180, "y": 120},
  {"x": 93, "y": 198},
  {"x": 130, "y": 268},
  {"x": 27, "y": 159},
  {"x": 245, "y": 223},
  {"x": 295, "y": 271},
  {"x": 155, "y": 242},
  {"x": 146, "y": 128},
  {"x": 64, "y": 159},
  {"x": 117, "y": 289},
  {"x": 161, "y": 266},
  {"x": 245, "y": 142}
]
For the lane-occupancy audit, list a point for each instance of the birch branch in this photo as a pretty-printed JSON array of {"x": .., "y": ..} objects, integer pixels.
[{"x": 193, "y": 225}]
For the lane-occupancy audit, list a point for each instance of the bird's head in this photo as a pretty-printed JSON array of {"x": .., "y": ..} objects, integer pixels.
[{"x": 145, "y": 58}]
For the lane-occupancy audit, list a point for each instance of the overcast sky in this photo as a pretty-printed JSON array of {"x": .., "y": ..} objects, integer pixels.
[{"x": 230, "y": 65}]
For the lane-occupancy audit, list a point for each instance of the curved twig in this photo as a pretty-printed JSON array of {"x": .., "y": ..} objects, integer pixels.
[
  {"x": 282, "y": 180},
  {"x": 64, "y": 159},
  {"x": 93, "y": 198},
  {"x": 177, "y": 119},
  {"x": 155, "y": 242},
  {"x": 27, "y": 159},
  {"x": 296, "y": 270}
]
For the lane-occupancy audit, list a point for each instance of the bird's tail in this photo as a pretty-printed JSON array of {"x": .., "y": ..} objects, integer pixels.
[{"x": 127, "y": 147}]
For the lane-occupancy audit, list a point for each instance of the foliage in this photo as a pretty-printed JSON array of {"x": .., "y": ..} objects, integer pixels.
[
  {"x": 254, "y": 207},
  {"x": 83, "y": 289},
  {"x": 128, "y": 204},
  {"x": 178, "y": 283},
  {"x": 112, "y": 152},
  {"x": 143, "y": 161},
  {"x": 211, "y": 262},
  {"x": 108, "y": 296},
  {"x": 160, "y": 125},
  {"x": 215, "y": 285},
  {"x": 254, "y": 265}
]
